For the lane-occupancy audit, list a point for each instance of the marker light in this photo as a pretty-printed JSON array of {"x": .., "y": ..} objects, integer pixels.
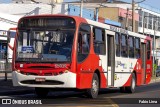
[
  {"x": 66, "y": 71},
  {"x": 21, "y": 65}
]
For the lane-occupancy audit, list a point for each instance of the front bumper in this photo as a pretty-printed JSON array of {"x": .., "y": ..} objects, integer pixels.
[{"x": 67, "y": 80}]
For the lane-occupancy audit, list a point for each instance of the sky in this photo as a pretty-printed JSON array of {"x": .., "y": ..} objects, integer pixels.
[{"x": 153, "y": 3}]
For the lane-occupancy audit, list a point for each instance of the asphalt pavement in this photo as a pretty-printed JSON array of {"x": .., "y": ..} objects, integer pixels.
[
  {"x": 7, "y": 88},
  {"x": 107, "y": 98}
]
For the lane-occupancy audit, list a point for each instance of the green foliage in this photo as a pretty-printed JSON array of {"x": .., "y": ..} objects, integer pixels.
[{"x": 155, "y": 67}]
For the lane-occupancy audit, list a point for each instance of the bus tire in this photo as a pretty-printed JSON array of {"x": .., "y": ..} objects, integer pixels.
[
  {"x": 131, "y": 88},
  {"x": 93, "y": 91},
  {"x": 41, "y": 92}
]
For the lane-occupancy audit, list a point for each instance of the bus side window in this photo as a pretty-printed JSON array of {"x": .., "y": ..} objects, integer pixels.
[
  {"x": 99, "y": 41},
  {"x": 137, "y": 47},
  {"x": 148, "y": 50},
  {"x": 117, "y": 39},
  {"x": 83, "y": 42},
  {"x": 131, "y": 46},
  {"x": 124, "y": 46}
]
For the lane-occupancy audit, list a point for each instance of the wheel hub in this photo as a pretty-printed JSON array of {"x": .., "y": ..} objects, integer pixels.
[{"x": 95, "y": 86}]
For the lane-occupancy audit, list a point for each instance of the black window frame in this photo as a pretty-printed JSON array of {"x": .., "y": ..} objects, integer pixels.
[
  {"x": 148, "y": 50},
  {"x": 131, "y": 49},
  {"x": 137, "y": 48},
  {"x": 81, "y": 56},
  {"x": 118, "y": 44},
  {"x": 140, "y": 17},
  {"x": 99, "y": 46},
  {"x": 124, "y": 49}
]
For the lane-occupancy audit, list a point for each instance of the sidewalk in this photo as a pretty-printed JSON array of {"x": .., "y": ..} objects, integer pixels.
[
  {"x": 155, "y": 79},
  {"x": 7, "y": 88}
]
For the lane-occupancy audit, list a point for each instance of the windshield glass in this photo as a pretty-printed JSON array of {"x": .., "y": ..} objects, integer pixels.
[{"x": 45, "y": 45}]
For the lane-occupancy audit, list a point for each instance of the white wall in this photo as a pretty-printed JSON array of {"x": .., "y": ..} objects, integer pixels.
[
  {"x": 8, "y": 21},
  {"x": 43, "y": 1},
  {"x": 24, "y": 9}
]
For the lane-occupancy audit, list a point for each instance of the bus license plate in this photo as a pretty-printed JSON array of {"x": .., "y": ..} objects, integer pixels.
[{"x": 40, "y": 79}]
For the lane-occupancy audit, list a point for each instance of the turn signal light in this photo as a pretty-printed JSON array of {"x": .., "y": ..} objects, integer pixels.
[
  {"x": 66, "y": 71},
  {"x": 18, "y": 70}
]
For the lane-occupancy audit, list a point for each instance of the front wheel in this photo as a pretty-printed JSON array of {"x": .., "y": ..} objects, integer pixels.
[
  {"x": 93, "y": 91},
  {"x": 41, "y": 92}
]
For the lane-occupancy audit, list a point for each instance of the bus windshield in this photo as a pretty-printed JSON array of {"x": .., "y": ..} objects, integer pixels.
[{"x": 45, "y": 45}]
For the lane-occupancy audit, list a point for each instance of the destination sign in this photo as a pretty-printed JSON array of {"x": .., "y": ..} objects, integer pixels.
[
  {"x": 43, "y": 22},
  {"x": 116, "y": 29}
]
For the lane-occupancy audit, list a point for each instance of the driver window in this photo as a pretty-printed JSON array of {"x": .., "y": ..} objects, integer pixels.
[{"x": 83, "y": 42}]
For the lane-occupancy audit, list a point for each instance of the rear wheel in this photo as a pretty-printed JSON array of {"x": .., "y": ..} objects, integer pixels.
[
  {"x": 93, "y": 91},
  {"x": 131, "y": 88},
  {"x": 41, "y": 92}
]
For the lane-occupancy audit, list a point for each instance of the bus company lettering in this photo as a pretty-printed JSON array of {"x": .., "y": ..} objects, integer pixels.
[
  {"x": 124, "y": 65},
  {"x": 116, "y": 29}
]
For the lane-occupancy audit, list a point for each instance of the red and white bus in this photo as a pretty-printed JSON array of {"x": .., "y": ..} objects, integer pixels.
[{"x": 70, "y": 52}]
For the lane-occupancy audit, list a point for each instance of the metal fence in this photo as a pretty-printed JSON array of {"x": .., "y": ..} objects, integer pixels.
[{"x": 5, "y": 66}]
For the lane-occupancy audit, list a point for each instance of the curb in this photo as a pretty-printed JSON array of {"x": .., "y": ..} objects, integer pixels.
[
  {"x": 16, "y": 92},
  {"x": 154, "y": 80}
]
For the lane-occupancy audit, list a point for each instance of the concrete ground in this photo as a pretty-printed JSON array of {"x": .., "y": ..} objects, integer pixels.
[{"x": 155, "y": 79}]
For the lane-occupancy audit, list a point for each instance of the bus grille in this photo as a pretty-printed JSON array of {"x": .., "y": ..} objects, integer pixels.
[
  {"x": 44, "y": 74},
  {"x": 47, "y": 82}
]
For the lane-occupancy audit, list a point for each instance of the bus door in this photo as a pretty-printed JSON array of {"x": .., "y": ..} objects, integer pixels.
[
  {"x": 143, "y": 58},
  {"x": 110, "y": 57}
]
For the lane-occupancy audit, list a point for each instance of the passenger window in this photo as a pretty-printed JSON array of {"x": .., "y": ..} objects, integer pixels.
[
  {"x": 83, "y": 42},
  {"x": 124, "y": 46},
  {"x": 131, "y": 46},
  {"x": 148, "y": 50},
  {"x": 137, "y": 47},
  {"x": 117, "y": 39},
  {"x": 99, "y": 41}
]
